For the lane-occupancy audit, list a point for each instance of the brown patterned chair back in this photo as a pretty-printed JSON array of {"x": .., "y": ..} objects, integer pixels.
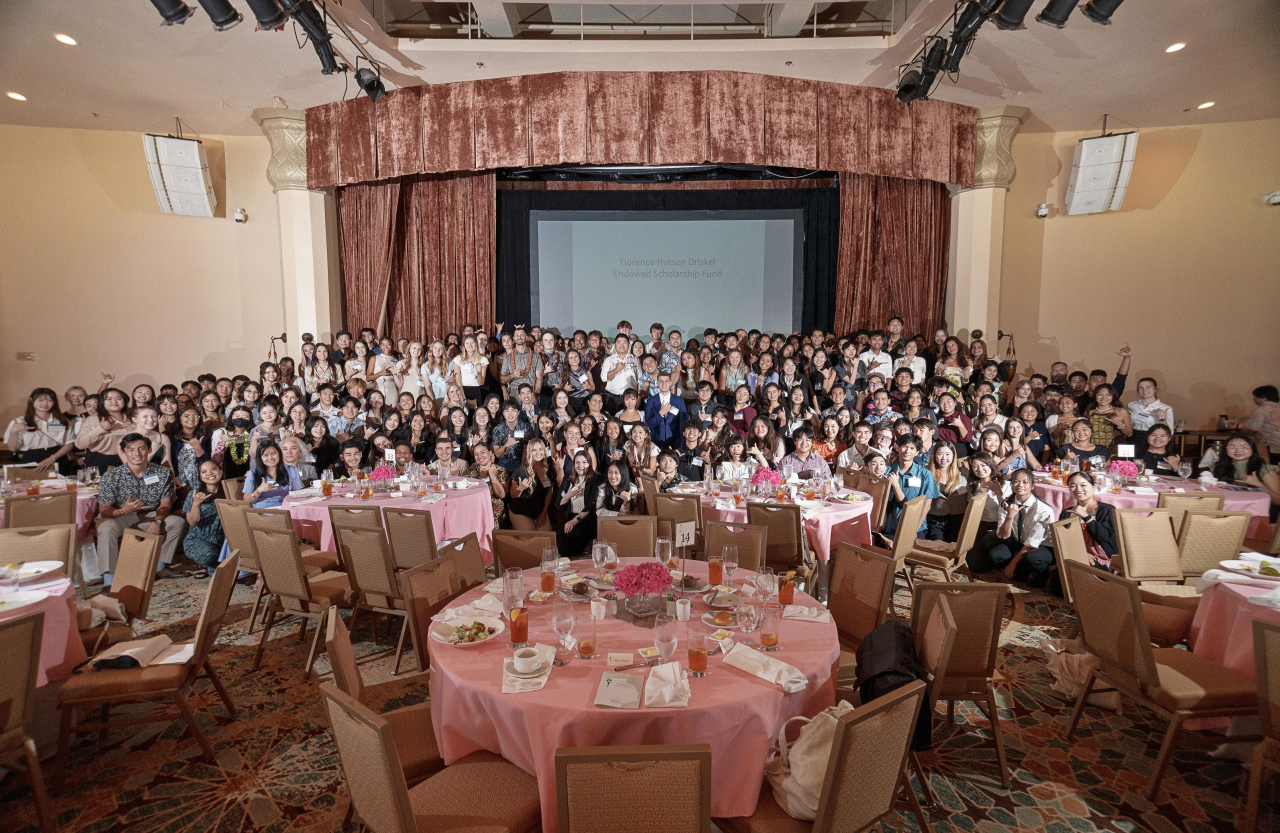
[
  {"x": 1113, "y": 627},
  {"x": 861, "y": 586},
  {"x": 1266, "y": 656},
  {"x": 1069, "y": 545},
  {"x": 1208, "y": 537},
  {"x": 468, "y": 561},
  {"x": 20, "y": 658},
  {"x": 426, "y": 589},
  {"x": 135, "y": 574},
  {"x": 370, "y": 763},
  {"x": 520, "y": 548},
  {"x": 342, "y": 656},
  {"x": 39, "y": 543},
  {"x": 603, "y": 789},
  {"x": 282, "y": 569},
  {"x": 635, "y": 535},
  {"x": 785, "y": 546},
  {"x": 680, "y": 509},
  {"x": 933, "y": 642},
  {"x": 216, "y": 601},
  {"x": 752, "y": 541},
  {"x": 1178, "y": 504},
  {"x": 1147, "y": 547},
  {"x": 649, "y": 488},
  {"x": 411, "y": 535},
  {"x": 40, "y": 510},
  {"x": 236, "y": 528},
  {"x": 978, "y": 609}
]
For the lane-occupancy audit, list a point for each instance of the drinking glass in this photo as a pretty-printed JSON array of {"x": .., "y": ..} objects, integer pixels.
[
  {"x": 730, "y": 558},
  {"x": 662, "y": 551},
  {"x": 586, "y": 627},
  {"x": 748, "y": 619},
  {"x": 610, "y": 555},
  {"x": 698, "y": 650},
  {"x": 550, "y": 555},
  {"x": 715, "y": 570},
  {"x": 664, "y": 636},
  {"x": 513, "y": 583},
  {"x": 518, "y": 615},
  {"x": 562, "y": 621},
  {"x": 597, "y": 554},
  {"x": 770, "y": 619},
  {"x": 92, "y": 473},
  {"x": 8, "y": 580},
  {"x": 766, "y": 583},
  {"x": 1184, "y": 470}
]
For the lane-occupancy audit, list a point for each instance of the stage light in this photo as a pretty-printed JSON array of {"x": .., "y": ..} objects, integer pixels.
[
  {"x": 1100, "y": 11},
  {"x": 370, "y": 83},
  {"x": 312, "y": 23},
  {"x": 932, "y": 63},
  {"x": 1177, "y": 47},
  {"x": 173, "y": 11},
  {"x": 954, "y": 53},
  {"x": 1057, "y": 12},
  {"x": 268, "y": 13},
  {"x": 67, "y": 39},
  {"x": 1012, "y": 13},
  {"x": 908, "y": 86},
  {"x": 222, "y": 13}
]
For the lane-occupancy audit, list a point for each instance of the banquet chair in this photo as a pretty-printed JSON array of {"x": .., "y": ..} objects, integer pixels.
[
  {"x": 1167, "y": 625},
  {"x": 1267, "y": 546},
  {"x": 603, "y": 789},
  {"x": 20, "y": 657},
  {"x": 786, "y": 549},
  {"x": 426, "y": 589},
  {"x": 1148, "y": 555},
  {"x": 1266, "y": 756},
  {"x": 106, "y": 687},
  {"x": 418, "y": 753},
  {"x": 750, "y": 539},
  {"x": 39, "y": 510},
  {"x": 1178, "y": 504},
  {"x": 131, "y": 586},
  {"x": 635, "y": 535},
  {"x": 56, "y": 542},
  {"x": 468, "y": 561},
  {"x": 1177, "y": 685},
  {"x": 371, "y": 570},
  {"x": 683, "y": 509},
  {"x": 411, "y": 535},
  {"x": 1208, "y": 537},
  {"x": 236, "y": 530},
  {"x": 24, "y": 474},
  {"x": 878, "y": 488},
  {"x": 293, "y": 591},
  {"x": 859, "y": 590},
  {"x": 866, "y": 776},
  {"x": 519, "y": 548},
  {"x": 233, "y": 488},
  {"x": 933, "y": 643},
  {"x": 480, "y": 792},
  {"x": 978, "y": 609},
  {"x": 949, "y": 557},
  {"x": 244, "y": 519},
  {"x": 649, "y": 488},
  {"x": 904, "y": 538}
]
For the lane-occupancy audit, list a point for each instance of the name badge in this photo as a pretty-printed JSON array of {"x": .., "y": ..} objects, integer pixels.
[
  {"x": 706, "y": 417},
  {"x": 698, "y": 461},
  {"x": 582, "y": 376},
  {"x": 738, "y": 415},
  {"x": 519, "y": 435},
  {"x": 151, "y": 479},
  {"x": 913, "y": 482}
]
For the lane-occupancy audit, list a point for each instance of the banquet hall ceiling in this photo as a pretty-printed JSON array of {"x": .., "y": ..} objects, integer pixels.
[{"x": 130, "y": 73}]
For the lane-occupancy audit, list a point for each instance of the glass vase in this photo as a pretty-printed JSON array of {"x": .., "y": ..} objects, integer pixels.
[{"x": 642, "y": 604}]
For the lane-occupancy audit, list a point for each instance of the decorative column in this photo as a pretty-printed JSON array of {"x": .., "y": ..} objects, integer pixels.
[
  {"x": 308, "y": 232},
  {"x": 977, "y": 226}
]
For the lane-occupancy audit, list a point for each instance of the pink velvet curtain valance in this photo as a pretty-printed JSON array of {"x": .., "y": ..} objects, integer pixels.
[{"x": 638, "y": 118}]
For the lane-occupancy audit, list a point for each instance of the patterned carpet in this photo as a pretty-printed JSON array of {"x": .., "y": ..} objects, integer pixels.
[{"x": 278, "y": 769}]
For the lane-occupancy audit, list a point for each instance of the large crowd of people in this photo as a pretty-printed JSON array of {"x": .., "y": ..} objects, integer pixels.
[{"x": 563, "y": 426}]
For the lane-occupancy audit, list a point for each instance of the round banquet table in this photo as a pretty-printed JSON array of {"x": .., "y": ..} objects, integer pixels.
[
  {"x": 825, "y": 529},
  {"x": 1223, "y": 632},
  {"x": 1257, "y": 503},
  {"x": 86, "y": 510},
  {"x": 459, "y": 512},
  {"x": 738, "y": 714},
  {"x": 60, "y": 647}
]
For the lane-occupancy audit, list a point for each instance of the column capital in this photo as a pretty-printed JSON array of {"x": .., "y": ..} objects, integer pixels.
[
  {"x": 993, "y": 145},
  {"x": 286, "y": 130}
]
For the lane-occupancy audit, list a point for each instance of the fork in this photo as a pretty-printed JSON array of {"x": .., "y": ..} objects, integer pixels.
[{"x": 646, "y": 664}]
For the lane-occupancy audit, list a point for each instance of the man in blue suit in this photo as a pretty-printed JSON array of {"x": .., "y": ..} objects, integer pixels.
[{"x": 664, "y": 413}]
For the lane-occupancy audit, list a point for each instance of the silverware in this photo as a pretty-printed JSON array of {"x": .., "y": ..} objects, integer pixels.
[
  {"x": 557, "y": 662},
  {"x": 712, "y": 601},
  {"x": 647, "y": 664}
]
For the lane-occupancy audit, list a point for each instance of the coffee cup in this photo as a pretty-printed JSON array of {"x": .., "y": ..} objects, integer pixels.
[
  {"x": 683, "y": 609},
  {"x": 526, "y": 660},
  {"x": 598, "y": 607}
]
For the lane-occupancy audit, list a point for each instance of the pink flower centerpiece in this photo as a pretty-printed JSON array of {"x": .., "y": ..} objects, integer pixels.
[
  {"x": 382, "y": 473},
  {"x": 765, "y": 476},
  {"x": 641, "y": 583},
  {"x": 1123, "y": 468}
]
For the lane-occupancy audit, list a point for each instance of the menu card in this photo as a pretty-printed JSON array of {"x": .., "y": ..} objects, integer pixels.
[{"x": 619, "y": 691}]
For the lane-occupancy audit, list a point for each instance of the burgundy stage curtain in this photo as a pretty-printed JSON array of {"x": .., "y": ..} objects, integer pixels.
[
  {"x": 418, "y": 256},
  {"x": 894, "y": 241}
]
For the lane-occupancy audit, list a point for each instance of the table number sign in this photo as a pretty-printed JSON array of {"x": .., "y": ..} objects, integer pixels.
[{"x": 685, "y": 533}]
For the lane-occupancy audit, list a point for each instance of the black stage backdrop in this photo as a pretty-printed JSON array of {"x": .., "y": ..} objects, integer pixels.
[{"x": 821, "y": 208}]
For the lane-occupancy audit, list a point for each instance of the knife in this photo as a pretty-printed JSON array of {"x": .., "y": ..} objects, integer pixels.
[
  {"x": 712, "y": 601},
  {"x": 645, "y": 664}
]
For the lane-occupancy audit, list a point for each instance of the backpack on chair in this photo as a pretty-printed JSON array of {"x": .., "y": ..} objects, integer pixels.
[{"x": 887, "y": 661}]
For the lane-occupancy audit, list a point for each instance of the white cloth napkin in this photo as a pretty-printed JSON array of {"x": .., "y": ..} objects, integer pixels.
[
  {"x": 767, "y": 668},
  {"x": 1212, "y": 577},
  {"x": 432, "y": 497},
  {"x": 308, "y": 500},
  {"x": 486, "y": 605},
  {"x": 494, "y": 586},
  {"x": 667, "y": 687},
  {"x": 1142, "y": 490},
  {"x": 809, "y": 508},
  {"x": 519, "y": 685},
  {"x": 722, "y": 504},
  {"x": 806, "y": 614}
]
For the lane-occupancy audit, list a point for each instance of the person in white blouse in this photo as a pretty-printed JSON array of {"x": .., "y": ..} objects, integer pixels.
[
  {"x": 1018, "y": 545},
  {"x": 617, "y": 495},
  {"x": 1147, "y": 410},
  {"x": 911, "y": 361},
  {"x": 469, "y": 368},
  {"x": 42, "y": 435},
  {"x": 619, "y": 368},
  {"x": 736, "y": 465}
]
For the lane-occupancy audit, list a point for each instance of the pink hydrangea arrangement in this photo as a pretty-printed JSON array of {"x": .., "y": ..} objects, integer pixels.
[
  {"x": 765, "y": 476},
  {"x": 382, "y": 473},
  {"x": 641, "y": 579},
  {"x": 1124, "y": 468}
]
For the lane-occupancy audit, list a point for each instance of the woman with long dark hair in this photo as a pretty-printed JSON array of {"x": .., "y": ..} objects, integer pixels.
[
  {"x": 323, "y": 446},
  {"x": 190, "y": 447},
  {"x": 577, "y": 502},
  {"x": 204, "y": 539},
  {"x": 42, "y": 435},
  {"x": 268, "y": 476},
  {"x": 99, "y": 436},
  {"x": 617, "y": 493},
  {"x": 1241, "y": 464}
]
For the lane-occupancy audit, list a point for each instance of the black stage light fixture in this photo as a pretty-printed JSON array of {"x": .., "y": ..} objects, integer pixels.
[
  {"x": 908, "y": 86},
  {"x": 222, "y": 13},
  {"x": 1100, "y": 11},
  {"x": 304, "y": 11},
  {"x": 328, "y": 61},
  {"x": 1012, "y": 13},
  {"x": 975, "y": 14},
  {"x": 268, "y": 12},
  {"x": 370, "y": 83},
  {"x": 1057, "y": 12},
  {"x": 173, "y": 11},
  {"x": 932, "y": 63},
  {"x": 954, "y": 53}
]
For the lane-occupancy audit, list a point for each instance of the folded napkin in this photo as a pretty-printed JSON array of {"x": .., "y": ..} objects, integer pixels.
[
  {"x": 1142, "y": 490},
  {"x": 486, "y": 605},
  {"x": 725, "y": 504},
  {"x": 494, "y": 586},
  {"x": 667, "y": 687},
  {"x": 308, "y": 500},
  {"x": 1212, "y": 577},
  {"x": 519, "y": 685},
  {"x": 432, "y": 497},
  {"x": 809, "y": 508},
  {"x": 767, "y": 668},
  {"x": 1259, "y": 558},
  {"x": 806, "y": 614}
]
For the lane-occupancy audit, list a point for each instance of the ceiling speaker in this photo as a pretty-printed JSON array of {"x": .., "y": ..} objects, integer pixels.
[
  {"x": 1100, "y": 173},
  {"x": 179, "y": 172}
]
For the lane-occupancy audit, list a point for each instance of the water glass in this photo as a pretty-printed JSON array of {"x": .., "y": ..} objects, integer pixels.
[
  {"x": 662, "y": 552},
  {"x": 610, "y": 555},
  {"x": 699, "y": 648},
  {"x": 730, "y": 558},
  {"x": 562, "y": 621},
  {"x": 597, "y": 554},
  {"x": 766, "y": 583},
  {"x": 1184, "y": 470},
  {"x": 586, "y": 627},
  {"x": 513, "y": 584},
  {"x": 748, "y": 619},
  {"x": 664, "y": 636},
  {"x": 770, "y": 619}
]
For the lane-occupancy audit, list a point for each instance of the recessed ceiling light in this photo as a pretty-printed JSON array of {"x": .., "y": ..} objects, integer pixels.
[
  {"x": 67, "y": 39},
  {"x": 1206, "y": 105},
  {"x": 1175, "y": 47},
  {"x": 17, "y": 96}
]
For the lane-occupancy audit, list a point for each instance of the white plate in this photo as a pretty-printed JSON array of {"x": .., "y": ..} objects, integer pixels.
[
  {"x": 709, "y": 619},
  {"x": 509, "y": 665},
  {"x": 600, "y": 585},
  {"x": 1246, "y": 568},
  {"x": 1259, "y": 557},
  {"x": 20, "y": 598},
  {"x": 31, "y": 570},
  {"x": 443, "y": 632},
  {"x": 725, "y": 601},
  {"x": 570, "y": 596}
]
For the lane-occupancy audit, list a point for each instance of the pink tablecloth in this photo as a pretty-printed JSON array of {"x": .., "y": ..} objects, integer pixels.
[
  {"x": 739, "y": 715},
  {"x": 1258, "y": 503},
  {"x": 826, "y": 530},
  {"x": 461, "y": 511},
  {"x": 86, "y": 510},
  {"x": 1223, "y": 628},
  {"x": 60, "y": 647}
]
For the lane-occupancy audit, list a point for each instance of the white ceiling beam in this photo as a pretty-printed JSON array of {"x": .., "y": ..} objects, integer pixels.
[
  {"x": 498, "y": 19},
  {"x": 789, "y": 18}
]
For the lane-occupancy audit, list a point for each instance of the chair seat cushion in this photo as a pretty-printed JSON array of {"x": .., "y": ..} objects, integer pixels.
[
  {"x": 1167, "y": 625},
  {"x": 415, "y": 741},
  {"x": 116, "y": 683},
  {"x": 482, "y": 793},
  {"x": 1158, "y": 593},
  {"x": 335, "y": 587},
  {"x": 1189, "y": 681},
  {"x": 115, "y": 633},
  {"x": 848, "y": 665},
  {"x": 317, "y": 558},
  {"x": 768, "y": 818}
]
